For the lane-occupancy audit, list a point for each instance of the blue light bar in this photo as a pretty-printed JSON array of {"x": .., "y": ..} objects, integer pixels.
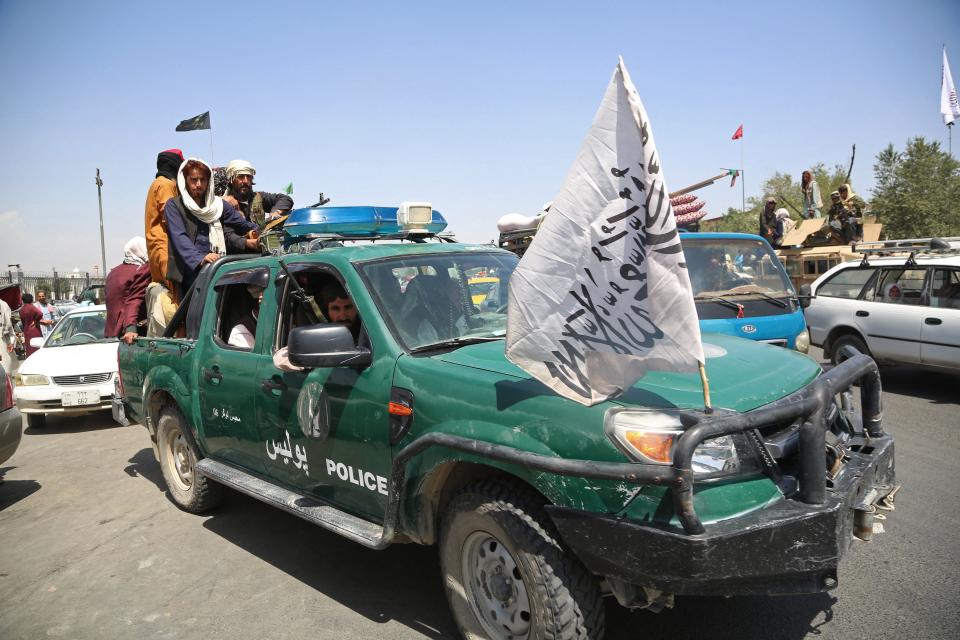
[{"x": 350, "y": 222}]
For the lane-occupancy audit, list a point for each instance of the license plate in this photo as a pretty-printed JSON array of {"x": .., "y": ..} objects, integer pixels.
[{"x": 80, "y": 397}]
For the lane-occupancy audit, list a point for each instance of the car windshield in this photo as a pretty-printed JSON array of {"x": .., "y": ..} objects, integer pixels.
[
  {"x": 429, "y": 301},
  {"x": 79, "y": 328},
  {"x": 731, "y": 268}
]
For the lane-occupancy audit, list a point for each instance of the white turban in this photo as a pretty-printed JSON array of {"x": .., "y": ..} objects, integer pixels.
[
  {"x": 135, "y": 251},
  {"x": 239, "y": 167}
]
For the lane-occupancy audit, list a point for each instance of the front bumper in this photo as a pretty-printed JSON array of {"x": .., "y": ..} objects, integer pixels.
[
  {"x": 786, "y": 547},
  {"x": 46, "y": 399}
]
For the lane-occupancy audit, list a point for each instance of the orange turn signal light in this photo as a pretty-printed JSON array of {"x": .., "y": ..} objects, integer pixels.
[
  {"x": 397, "y": 409},
  {"x": 657, "y": 447}
]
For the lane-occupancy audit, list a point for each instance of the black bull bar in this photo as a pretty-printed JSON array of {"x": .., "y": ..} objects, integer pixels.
[{"x": 811, "y": 404}]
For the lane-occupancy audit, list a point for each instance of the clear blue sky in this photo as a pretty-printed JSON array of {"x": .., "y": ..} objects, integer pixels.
[{"x": 479, "y": 108}]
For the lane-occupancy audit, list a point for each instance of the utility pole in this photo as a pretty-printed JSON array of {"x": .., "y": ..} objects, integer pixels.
[{"x": 103, "y": 249}]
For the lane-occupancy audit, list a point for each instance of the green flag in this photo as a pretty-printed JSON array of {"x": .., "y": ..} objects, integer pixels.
[
  {"x": 201, "y": 121},
  {"x": 288, "y": 189}
]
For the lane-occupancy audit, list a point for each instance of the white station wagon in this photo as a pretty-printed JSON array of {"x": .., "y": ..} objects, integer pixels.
[
  {"x": 898, "y": 309},
  {"x": 72, "y": 373}
]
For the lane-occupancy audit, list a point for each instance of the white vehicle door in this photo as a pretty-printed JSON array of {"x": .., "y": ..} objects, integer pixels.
[
  {"x": 941, "y": 320},
  {"x": 892, "y": 314},
  {"x": 836, "y": 302}
]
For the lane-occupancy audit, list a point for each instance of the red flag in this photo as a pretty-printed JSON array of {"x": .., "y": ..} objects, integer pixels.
[{"x": 738, "y": 133}]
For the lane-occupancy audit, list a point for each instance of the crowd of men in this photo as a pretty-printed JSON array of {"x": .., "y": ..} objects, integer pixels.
[
  {"x": 188, "y": 223},
  {"x": 844, "y": 217}
]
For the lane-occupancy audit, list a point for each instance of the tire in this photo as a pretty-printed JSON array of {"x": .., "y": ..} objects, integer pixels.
[
  {"x": 505, "y": 574},
  {"x": 846, "y": 340},
  {"x": 189, "y": 490},
  {"x": 36, "y": 420}
]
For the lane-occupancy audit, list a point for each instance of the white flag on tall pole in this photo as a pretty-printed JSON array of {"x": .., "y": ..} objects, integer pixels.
[
  {"x": 602, "y": 295},
  {"x": 949, "y": 108}
]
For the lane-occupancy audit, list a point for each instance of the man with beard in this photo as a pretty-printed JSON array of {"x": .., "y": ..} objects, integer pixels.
[
  {"x": 768, "y": 220},
  {"x": 201, "y": 226},
  {"x": 339, "y": 307},
  {"x": 256, "y": 206}
]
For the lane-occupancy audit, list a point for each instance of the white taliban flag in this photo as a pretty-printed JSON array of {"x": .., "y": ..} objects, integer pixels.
[
  {"x": 949, "y": 107},
  {"x": 602, "y": 295}
]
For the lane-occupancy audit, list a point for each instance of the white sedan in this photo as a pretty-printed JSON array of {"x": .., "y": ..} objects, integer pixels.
[
  {"x": 903, "y": 310},
  {"x": 73, "y": 371}
]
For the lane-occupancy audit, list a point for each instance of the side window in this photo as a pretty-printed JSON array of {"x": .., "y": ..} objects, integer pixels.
[
  {"x": 237, "y": 315},
  {"x": 945, "y": 289},
  {"x": 900, "y": 286},
  {"x": 845, "y": 284},
  {"x": 334, "y": 302}
]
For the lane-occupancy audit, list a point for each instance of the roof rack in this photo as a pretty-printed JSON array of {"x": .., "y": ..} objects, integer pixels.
[{"x": 912, "y": 246}]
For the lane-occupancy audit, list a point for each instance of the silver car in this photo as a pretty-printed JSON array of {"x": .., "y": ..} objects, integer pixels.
[{"x": 903, "y": 310}]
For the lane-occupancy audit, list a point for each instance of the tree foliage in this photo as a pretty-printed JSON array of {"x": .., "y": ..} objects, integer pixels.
[{"x": 917, "y": 192}]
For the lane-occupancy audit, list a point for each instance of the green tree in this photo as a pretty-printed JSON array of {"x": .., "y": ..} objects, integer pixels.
[{"x": 917, "y": 191}]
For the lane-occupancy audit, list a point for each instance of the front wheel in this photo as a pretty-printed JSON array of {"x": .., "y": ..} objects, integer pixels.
[
  {"x": 506, "y": 576},
  {"x": 848, "y": 340},
  {"x": 189, "y": 489}
]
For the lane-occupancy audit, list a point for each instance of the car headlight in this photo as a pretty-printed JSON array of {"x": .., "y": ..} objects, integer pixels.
[
  {"x": 802, "y": 343},
  {"x": 30, "y": 379},
  {"x": 650, "y": 437}
]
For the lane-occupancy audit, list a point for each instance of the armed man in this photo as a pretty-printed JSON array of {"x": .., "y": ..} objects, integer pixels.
[{"x": 256, "y": 206}]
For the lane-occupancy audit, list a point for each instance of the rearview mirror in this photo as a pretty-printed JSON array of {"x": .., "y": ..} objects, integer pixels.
[
  {"x": 36, "y": 343},
  {"x": 805, "y": 296},
  {"x": 326, "y": 345}
]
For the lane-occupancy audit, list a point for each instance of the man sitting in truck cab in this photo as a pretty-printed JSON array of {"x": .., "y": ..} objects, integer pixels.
[
  {"x": 243, "y": 334},
  {"x": 338, "y": 306}
]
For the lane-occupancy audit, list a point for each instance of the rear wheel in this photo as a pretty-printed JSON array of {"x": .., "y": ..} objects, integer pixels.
[
  {"x": 847, "y": 340},
  {"x": 189, "y": 490},
  {"x": 36, "y": 420},
  {"x": 506, "y": 576}
]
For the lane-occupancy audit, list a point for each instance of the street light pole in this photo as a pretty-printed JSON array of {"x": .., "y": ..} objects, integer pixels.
[{"x": 103, "y": 249}]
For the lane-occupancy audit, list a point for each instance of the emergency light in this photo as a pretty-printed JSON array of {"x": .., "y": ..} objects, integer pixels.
[{"x": 411, "y": 218}]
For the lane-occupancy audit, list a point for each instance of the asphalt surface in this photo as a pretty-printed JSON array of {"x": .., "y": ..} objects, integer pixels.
[{"x": 90, "y": 547}]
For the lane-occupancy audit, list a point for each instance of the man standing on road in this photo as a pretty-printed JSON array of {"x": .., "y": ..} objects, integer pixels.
[
  {"x": 256, "y": 206},
  {"x": 49, "y": 312}
]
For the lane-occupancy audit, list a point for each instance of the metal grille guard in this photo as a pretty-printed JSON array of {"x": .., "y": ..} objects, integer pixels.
[{"x": 811, "y": 403}]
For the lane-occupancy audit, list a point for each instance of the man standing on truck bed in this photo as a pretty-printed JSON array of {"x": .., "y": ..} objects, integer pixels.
[
  {"x": 202, "y": 226},
  {"x": 256, "y": 206}
]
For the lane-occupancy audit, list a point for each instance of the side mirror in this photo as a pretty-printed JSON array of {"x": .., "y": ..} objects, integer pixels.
[
  {"x": 805, "y": 296},
  {"x": 36, "y": 343},
  {"x": 326, "y": 345}
]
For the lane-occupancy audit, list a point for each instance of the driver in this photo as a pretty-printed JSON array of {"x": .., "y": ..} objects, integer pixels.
[{"x": 338, "y": 306}]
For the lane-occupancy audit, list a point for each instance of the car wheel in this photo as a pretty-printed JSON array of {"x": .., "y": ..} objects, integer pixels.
[
  {"x": 189, "y": 490},
  {"x": 847, "y": 340},
  {"x": 36, "y": 420},
  {"x": 505, "y": 573}
]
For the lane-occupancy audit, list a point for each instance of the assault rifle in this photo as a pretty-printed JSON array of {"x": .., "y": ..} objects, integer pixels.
[{"x": 305, "y": 300}]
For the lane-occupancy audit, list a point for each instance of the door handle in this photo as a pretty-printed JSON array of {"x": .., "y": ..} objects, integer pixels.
[
  {"x": 273, "y": 387},
  {"x": 213, "y": 376},
  {"x": 863, "y": 314},
  {"x": 932, "y": 321}
]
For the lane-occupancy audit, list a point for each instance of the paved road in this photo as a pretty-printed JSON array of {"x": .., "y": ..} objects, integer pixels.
[{"x": 91, "y": 548}]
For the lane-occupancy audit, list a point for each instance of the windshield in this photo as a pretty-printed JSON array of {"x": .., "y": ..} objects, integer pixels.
[
  {"x": 726, "y": 267},
  {"x": 79, "y": 328},
  {"x": 430, "y": 300}
]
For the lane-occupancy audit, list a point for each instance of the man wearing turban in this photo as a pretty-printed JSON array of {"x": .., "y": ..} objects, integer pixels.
[{"x": 256, "y": 206}]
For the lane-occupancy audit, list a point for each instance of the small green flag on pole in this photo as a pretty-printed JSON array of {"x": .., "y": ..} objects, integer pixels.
[{"x": 288, "y": 189}]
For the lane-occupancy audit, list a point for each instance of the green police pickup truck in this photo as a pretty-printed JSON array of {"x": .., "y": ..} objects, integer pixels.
[{"x": 400, "y": 420}]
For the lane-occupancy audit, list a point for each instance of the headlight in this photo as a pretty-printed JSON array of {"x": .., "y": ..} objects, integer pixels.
[
  {"x": 802, "y": 343},
  {"x": 30, "y": 379},
  {"x": 650, "y": 437}
]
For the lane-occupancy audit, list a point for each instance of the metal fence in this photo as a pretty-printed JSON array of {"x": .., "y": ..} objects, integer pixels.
[{"x": 57, "y": 285}]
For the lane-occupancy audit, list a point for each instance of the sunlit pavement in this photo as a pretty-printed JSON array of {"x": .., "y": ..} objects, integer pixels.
[{"x": 92, "y": 548}]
